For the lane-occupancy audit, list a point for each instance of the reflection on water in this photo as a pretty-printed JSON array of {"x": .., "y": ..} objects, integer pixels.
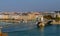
[
  {"x": 42, "y": 31},
  {"x": 19, "y": 27},
  {"x": 53, "y": 30},
  {"x": 30, "y": 29},
  {"x": 58, "y": 30}
]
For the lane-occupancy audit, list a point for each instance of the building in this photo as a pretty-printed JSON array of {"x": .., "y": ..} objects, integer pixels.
[{"x": 57, "y": 14}]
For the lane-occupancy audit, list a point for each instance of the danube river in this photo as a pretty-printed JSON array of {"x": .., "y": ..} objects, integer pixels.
[{"x": 32, "y": 30}]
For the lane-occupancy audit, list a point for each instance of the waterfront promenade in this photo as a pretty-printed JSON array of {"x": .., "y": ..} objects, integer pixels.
[{"x": 17, "y": 18}]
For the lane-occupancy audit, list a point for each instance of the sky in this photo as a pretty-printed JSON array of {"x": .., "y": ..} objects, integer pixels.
[{"x": 29, "y": 5}]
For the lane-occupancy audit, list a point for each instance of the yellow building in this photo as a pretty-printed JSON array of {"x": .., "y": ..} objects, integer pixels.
[{"x": 4, "y": 16}]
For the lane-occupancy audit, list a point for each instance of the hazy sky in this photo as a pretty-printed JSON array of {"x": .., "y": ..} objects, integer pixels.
[{"x": 29, "y": 5}]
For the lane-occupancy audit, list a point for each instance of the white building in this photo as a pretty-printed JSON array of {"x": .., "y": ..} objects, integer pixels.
[{"x": 57, "y": 14}]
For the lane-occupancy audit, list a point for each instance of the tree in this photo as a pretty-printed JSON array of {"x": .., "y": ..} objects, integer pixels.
[
  {"x": 57, "y": 18},
  {"x": 48, "y": 17}
]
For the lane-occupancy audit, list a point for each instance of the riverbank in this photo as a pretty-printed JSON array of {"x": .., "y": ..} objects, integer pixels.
[
  {"x": 55, "y": 22},
  {"x": 13, "y": 21}
]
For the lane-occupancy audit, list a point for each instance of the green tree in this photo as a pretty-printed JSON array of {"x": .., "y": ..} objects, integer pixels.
[{"x": 48, "y": 17}]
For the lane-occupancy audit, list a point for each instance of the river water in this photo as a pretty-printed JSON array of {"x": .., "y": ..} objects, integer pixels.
[{"x": 30, "y": 29}]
